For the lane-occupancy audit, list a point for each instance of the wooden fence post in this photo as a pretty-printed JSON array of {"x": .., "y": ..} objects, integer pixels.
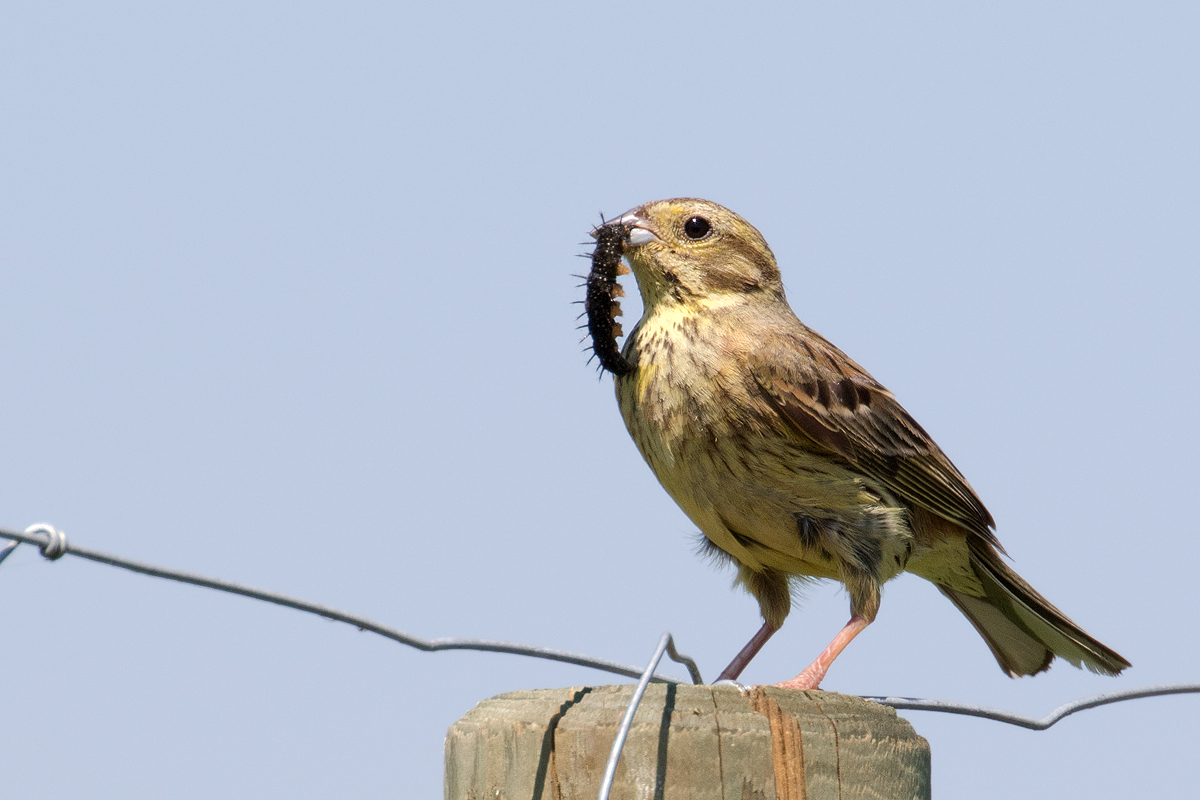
[{"x": 686, "y": 743}]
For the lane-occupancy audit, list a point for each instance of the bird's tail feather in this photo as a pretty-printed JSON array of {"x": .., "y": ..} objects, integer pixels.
[{"x": 1023, "y": 629}]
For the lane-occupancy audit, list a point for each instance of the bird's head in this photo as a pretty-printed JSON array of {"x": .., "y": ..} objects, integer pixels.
[{"x": 686, "y": 249}]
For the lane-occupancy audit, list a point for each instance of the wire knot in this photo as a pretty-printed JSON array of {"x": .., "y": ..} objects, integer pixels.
[{"x": 55, "y": 546}]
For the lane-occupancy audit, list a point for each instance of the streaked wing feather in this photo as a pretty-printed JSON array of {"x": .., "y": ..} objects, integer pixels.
[{"x": 834, "y": 402}]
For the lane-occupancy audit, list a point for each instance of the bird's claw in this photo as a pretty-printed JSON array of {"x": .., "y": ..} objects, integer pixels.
[{"x": 741, "y": 687}]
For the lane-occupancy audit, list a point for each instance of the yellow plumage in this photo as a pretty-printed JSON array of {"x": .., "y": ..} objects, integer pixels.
[{"x": 792, "y": 460}]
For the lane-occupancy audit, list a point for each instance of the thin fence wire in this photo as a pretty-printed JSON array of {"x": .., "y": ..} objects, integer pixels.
[
  {"x": 1033, "y": 723},
  {"x": 610, "y": 769},
  {"x": 54, "y": 545}
]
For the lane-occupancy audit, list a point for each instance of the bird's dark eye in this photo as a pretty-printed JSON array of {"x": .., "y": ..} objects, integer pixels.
[{"x": 697, "y": 228}]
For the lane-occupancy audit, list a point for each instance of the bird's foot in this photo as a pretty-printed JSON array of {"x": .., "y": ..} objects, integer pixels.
[
  {"x": 741, "y": 687},
  {"x": 809, "y": 679},
  {"x": 814, "y": 673}
]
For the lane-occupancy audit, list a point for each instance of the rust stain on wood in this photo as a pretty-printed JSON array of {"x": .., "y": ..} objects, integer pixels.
[{"x": 787, "y": 746}]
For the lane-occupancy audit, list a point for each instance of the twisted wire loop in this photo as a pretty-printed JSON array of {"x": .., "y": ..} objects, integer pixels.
[
  {"x": 53, "y": 545},
  {"x": 1033, "y": 723},
  {"x": 665, "y": 644}
]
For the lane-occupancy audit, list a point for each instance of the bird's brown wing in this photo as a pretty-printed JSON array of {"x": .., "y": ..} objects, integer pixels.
[{"x": 836, "y": 404}]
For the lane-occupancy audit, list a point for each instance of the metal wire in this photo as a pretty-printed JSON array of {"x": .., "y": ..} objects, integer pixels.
[
  {"x": 53, "y": 544},
  {"x": 1082, "y": 704},
  {"x": 610, "y": 769},
  {"x": 8, "y": 548}
]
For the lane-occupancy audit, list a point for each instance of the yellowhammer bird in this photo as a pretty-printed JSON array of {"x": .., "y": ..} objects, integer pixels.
[{"x": 792, "y": 460}]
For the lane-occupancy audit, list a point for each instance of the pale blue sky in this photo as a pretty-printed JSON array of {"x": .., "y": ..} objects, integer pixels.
[{"x": 287, "y": 300}]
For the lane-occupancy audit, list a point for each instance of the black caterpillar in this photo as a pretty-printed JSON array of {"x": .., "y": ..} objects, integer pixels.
[{"x": 602, "y": 289}]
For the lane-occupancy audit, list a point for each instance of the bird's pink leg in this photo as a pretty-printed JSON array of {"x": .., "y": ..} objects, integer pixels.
[
  {"x": 814, "y": 673},
  {"x": 748, "y": 652}
]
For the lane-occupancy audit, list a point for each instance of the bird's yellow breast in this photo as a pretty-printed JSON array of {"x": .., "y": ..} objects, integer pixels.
[{"x": 739, "y": 471}]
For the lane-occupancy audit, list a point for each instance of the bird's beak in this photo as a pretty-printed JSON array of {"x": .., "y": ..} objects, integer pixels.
[{"x": 640, "y": 230}]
